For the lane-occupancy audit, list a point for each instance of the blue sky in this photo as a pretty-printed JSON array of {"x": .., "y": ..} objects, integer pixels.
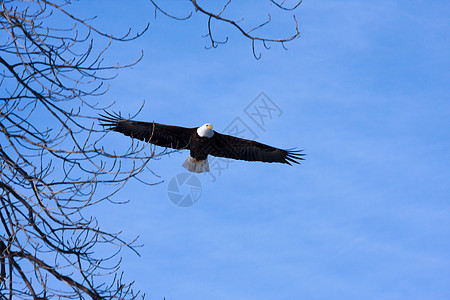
[{"x": 364, "y": 91}]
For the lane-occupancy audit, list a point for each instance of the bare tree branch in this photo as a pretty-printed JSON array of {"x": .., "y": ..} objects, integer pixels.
[
  {"x": 281, "y": 5},
  {"x": 248, "y": 33}
]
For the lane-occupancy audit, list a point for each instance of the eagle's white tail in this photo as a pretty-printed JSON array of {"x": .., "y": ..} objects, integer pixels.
[{"x": 196, "y": 166}]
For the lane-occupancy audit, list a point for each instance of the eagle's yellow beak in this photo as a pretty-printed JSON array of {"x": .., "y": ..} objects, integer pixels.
[{"x": 209, "y": 126}]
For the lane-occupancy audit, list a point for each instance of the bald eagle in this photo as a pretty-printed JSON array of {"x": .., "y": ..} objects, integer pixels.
[{"x": 201, "y": 142}]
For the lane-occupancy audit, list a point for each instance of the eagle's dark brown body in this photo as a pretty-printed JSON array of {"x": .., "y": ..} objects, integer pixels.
[{"x": 199, "y": 146}]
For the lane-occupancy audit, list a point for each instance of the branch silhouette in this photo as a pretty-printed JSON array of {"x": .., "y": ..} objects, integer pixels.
[
  {"x": 249, "y": 33},
  {"x": 52, "y": 159}
]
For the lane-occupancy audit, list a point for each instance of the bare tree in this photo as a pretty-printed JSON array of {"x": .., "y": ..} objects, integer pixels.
[
  {"x": 53, "y": 165},
  {"x": 52, "y": 161}
]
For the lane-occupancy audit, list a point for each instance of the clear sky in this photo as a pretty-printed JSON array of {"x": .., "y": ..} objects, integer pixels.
[{"x": 364, "y": 91}]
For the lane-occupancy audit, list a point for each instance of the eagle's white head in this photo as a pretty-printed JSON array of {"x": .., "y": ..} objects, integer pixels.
[{"x": 205, "y": 130}]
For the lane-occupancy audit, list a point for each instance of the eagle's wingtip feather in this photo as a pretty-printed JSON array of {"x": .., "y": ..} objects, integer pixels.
[
  {"x": 110, "y": 119},
  {"x": 294, "y": 155}
]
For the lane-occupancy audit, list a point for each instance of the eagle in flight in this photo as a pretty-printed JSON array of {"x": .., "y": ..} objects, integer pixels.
[{"x": 201, "y": 142}]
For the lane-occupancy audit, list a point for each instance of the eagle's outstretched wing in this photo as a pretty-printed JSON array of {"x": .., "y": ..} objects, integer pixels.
[
  {"x": 162, "y": 135},
  {"x": 233, "y": 147}
]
